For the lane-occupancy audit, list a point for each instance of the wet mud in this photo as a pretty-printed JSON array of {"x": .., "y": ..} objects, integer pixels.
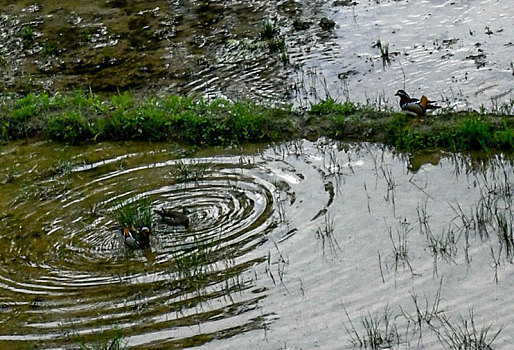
[{"x": 459, "y": 53}]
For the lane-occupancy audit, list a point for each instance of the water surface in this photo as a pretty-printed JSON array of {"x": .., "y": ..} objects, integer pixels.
[
  {"x": 287, "y": 245},
  {"x": 457, "y": 52}
]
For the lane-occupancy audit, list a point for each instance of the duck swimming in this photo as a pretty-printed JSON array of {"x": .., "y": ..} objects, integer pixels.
[
  {"x": 136, "y": 239},
  {"x": 174, "y": 217}
]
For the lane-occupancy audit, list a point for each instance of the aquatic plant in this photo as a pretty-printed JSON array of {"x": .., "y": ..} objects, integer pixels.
[
  {"x": 268, "y": 30},
  {"x": 423, "y": 314},
  {"x": 192, "y": 268},
  {"x": 377, "y": 331},
  {"x": 465, "y": 335},
  {"x": 270, "y": 34},
  {"x": 137, "y": 214},
  {"x": 62, "y": 166},
  {"x": 325, "y": 233},
  {"x": 384, "y": 52},
  {"x": 27, "y": 34},
  {"x": 400, "y": 247},
  {"x": 115, "y": 342},
  {"x": 50, "y": 48},
  {"x": 194, "y": 263},
  {"x": 190, "y": 172}
]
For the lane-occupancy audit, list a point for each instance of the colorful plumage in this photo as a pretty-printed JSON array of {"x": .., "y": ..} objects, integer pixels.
[
  {"x": 136, "y": 239},
  {"x": 414, "y": 105}
]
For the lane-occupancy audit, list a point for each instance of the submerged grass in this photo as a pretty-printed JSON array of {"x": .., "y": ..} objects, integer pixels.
[{"x": 85, "y": 116}]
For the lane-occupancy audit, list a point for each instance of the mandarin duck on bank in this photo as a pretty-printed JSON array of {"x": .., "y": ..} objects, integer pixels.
[
  {"x": 174, "y": 217},
  {"x": 136, "y": 239},
  {"x": 413, "y": 105}
]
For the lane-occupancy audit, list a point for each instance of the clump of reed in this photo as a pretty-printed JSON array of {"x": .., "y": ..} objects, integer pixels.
[
  {"x": 136, "y": 213},
  {"x": 465, "y": 335},
  {"x": 186, "y": 172},
  {"x": 377, "y": 331},
  {"x": 325, "y": 233}
]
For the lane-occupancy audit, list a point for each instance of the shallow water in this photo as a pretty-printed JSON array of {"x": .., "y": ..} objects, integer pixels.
[
  {"x": 457, "y": 52},
  {"x": 283, "y": 242}
]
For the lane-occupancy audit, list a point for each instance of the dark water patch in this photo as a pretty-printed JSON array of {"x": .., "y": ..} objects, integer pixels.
[{"x": 69, "y": 247}]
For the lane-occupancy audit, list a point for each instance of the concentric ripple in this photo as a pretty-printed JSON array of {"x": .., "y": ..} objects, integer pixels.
[
  {"x": 74, "y": 277},
  {"x": 285, "y": 245}
]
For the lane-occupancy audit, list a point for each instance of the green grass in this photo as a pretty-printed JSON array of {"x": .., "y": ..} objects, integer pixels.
[
  {"x": 268, "y": 30},
  {"x": 137, "y": 214},
  {"x": 270, "y": 35},
  {"x": 83, "y": 116},
  {"x": 467, "y": 132},
  {"x": 27, "y": 34},
  {"x": 116, "y": 342},
  {"x": 50, "y": 48},
  {"x": 331, "y": 106},
  {"x": 69, "y": 127}
]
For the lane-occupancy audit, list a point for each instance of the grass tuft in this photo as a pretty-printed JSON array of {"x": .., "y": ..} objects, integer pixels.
[
  {"x": 69, "y": 127},
  {"x": 465, "y": 335},
  {"x": 137, "y": 214},
  {"x": 377, "y": 332}
]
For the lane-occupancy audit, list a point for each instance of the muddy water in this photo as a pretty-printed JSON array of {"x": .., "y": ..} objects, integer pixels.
[
  {"x": 286, "y": 245},
  {"x": 458, "y": 52}
]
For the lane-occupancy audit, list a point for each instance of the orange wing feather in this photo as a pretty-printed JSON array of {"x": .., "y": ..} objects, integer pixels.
[{"x": 424, "y": 102}]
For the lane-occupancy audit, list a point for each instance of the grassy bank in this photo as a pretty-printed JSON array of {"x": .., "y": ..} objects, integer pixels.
[{"x": 86, "y": 117}]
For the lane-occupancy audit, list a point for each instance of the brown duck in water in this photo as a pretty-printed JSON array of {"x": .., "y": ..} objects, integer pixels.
[{"x": 174, "y": 217}]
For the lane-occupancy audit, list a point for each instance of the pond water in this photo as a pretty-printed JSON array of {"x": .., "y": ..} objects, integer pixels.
[
  {"x": 459, "y": 52},
  {"x": 291, "y": 246}
]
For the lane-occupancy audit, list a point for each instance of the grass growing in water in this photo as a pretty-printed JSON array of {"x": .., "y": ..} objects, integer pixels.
[
  {"x": 137, "y": 214},
  {"x": 378, "y": 332},
  {"x": 190, "y": 172},
  {"x": 326, "y": 234},
  {"x": 465, "y": 335},
  {"x": 115, "y": 343}
]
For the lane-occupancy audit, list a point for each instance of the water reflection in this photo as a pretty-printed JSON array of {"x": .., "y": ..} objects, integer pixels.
[{"x": 295, "y": 233}]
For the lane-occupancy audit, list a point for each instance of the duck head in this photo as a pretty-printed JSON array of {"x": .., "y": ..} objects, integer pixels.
[
  {"x": 402, "y": 93},
  {"x": 144, "y": 237},
  {"x": 136, "y": 239}
]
